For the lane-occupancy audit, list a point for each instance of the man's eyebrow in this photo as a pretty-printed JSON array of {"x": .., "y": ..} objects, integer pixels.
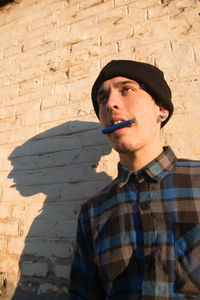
[
  {"x": 102, "y": 90},
  {"x": 121, "y": 83}
]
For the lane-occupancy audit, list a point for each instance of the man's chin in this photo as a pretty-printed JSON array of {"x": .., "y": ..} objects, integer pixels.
[{"x": 123, "y": 148}]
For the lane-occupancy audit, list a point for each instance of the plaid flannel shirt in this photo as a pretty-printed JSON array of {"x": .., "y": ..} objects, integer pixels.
[{"x": 139, "y": 238}]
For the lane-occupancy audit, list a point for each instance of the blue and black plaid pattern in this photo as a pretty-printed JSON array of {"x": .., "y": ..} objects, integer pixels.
[{"x": 140, "y": 237}]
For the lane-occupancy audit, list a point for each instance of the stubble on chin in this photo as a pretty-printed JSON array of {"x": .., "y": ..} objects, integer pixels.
[{"x": 123, "y": 148}]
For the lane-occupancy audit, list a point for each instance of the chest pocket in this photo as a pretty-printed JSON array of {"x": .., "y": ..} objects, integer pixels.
[{"x": 187, "y": 253}]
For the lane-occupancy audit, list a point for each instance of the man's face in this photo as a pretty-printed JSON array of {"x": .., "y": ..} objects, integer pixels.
[{"x": 122, "y": 99}]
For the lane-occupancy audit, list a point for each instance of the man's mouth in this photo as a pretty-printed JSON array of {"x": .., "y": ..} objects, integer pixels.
[
  {"x": 116, "y": 122},
  {"x": 117, "y": 125}
]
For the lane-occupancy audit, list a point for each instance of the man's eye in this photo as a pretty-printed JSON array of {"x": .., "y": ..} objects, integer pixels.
[
  {"x": 126, "y": 89},
  {"x": 102, "y": 100}
]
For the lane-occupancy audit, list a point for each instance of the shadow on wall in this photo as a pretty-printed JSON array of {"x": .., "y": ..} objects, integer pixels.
[{"x": 60, "y": 163}]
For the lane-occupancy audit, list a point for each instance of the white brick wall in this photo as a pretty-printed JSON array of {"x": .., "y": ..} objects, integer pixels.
[{"x": 52, "y": 155}]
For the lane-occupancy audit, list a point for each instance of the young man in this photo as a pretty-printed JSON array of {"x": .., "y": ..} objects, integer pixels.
[{"x": 139, "y": 238}]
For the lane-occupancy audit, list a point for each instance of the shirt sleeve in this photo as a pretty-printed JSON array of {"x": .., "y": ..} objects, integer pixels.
[{"x": 85, "y": 283}]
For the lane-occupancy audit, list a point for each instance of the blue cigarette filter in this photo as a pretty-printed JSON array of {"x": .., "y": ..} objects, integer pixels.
[{"x": 114, "y": 127}]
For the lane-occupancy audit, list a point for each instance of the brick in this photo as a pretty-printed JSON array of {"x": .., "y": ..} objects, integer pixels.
[
  {"x": 138, "y": 4},
  {"x": 177, "y": 69},
  {"x": 152, "y": 54},
  {"x": 71, "y": 128},
  {"x": 139, "y": 15},
  {"x": 92, "y": 7},
  {"x": 2, "y": 244},
  {"x": 158, "y": 11},
  {"x": 46, "y": 146},
  {"x": 32, "y": 94},
  {"x": 46, "y": 288},
  {"x": 84, "y": 29},
  {"x": 7, "y": 94},
  {"x": 196, "y": 52},
  {"x": 18, "y": 211},
  {"x": 56, "y": 72},
  {"x": 4, "y": 63},
  {"x": 54, "y": 211},
  {"x": 148, "y": 31},
  {"x": 90, "y": 49},
  {"x": 16, "y": 134},
  {"x": 71, "y": 192},
  {"x": 43, "y": 48},
  {"x": 9, "y": 228},
  {"x": 49, "y": 248},
  {"x": 57, "y": 58},
  {"x": 34, "y": 269},
  {"x": 185, "y": 90},
  {"x": 66, "y": 16},
  {"x": 4, "y": 211},
  {"x": 5, "y": 151},
  {"x": 23, "y": 107},
  {"x": 113, "y": 16},
  {"x": 30, "y": 43},
  {"x": 83, "y": 108},
  {"x": 6, "y": 124},
  {"x": 26, "y": 120},
  {"x": 53, "y": 114},
  {"x": 85, "y": 4},
  {"x": 184, "y": 3},
  {"x": 3, "y": 178},
  {"x": 7, "y": 112},
  {"x": 59, "y": 97},
  {"x": 94, "y": 137},
  {"x": 62, "y": 271},
  {"x": 56, "y": 35},
  {"x": 15, "y": 245},
  {"x": 91, "y": 155},
  {"x": 78, "y": 90},
  {"x": 8, "y": 264},
  {"x": 11, "y": 51},
  {"x": 57, "y": 159},
  {"x": 42, "y": 22},
  {"x": 117, "y": 33},
  {"x": 48, "y": 229},
  {"x": 12, "y": 195},
  {"x": 82, "y": 70},
  {"x": 28, "y": 80}
]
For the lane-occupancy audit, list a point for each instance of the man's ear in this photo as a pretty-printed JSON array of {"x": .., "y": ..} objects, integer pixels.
[{"x": 163, "y": 114}]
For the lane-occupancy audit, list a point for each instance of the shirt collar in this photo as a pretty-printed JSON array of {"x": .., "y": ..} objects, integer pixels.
[{"x": 156, "y": 170}]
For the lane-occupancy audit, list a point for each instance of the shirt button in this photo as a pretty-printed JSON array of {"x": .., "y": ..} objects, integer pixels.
[{"x": 144, "y": 206}]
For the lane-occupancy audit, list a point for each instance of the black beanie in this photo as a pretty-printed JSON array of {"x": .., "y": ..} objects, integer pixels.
[{"x": 149, "y": 75}]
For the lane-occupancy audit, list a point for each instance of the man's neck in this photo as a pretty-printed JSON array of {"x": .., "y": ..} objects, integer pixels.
[{"x": 139, "y": 159}]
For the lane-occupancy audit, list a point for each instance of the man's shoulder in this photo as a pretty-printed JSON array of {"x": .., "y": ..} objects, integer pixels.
[
  {"x": 188, "y": 168},
  {"x": 187, "y": 163}
]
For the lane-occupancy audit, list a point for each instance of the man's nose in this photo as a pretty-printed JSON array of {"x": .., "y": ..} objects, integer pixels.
[{"x": 113, "y": 102}]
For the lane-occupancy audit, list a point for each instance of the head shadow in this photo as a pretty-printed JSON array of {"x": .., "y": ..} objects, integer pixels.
[
  {"x": 61, "y": 164},
  {"x": 66, "y": 154}
]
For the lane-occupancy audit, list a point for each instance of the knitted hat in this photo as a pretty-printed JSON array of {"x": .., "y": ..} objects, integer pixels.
[{"x": 143, "y": 73}]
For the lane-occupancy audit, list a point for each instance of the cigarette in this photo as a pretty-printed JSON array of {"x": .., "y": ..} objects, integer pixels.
[{"x": 112, "y": 128}]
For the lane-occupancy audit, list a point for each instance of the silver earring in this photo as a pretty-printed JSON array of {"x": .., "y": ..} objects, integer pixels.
[{"x": 162, "y": 117}]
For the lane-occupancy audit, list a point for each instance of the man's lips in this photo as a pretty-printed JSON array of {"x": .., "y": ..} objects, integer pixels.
[
  {"x": 117, "y": 122},
  {"x": 118, "y": 125}
]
